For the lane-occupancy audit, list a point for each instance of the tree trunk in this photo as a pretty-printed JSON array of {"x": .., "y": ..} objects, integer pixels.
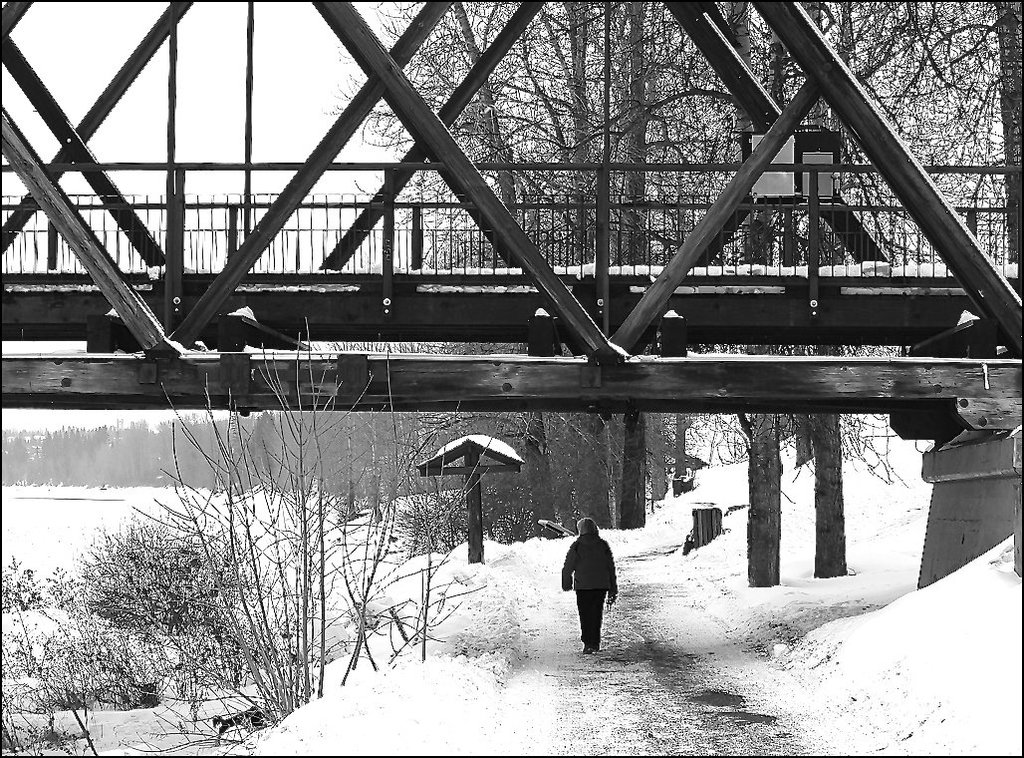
[
  {"x": 592, "y": 484},
  {"x": 501, "y": 151},
  {"x": 658, "y": 446},
  {"x": 764, "y": 518},
  {"x": 538, "y": 471},
  {"x": 830, "y": 520},
  {"x": 683, "y": 423},
  {"x": 804, "y": 451},
  {"x": 633, "y": 493}
]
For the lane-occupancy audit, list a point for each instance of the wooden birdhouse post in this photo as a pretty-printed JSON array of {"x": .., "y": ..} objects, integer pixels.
[{"x": 472, "y": 457}]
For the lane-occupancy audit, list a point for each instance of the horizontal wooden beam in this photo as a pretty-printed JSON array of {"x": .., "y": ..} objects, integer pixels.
[
  {"x": 982, "y": 389},
  {"x": 481, "y": 469},
  {"x": 317, "y": 309}
]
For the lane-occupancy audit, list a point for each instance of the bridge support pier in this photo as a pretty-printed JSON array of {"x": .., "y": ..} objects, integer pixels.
[{"x": 975, "y": 501}]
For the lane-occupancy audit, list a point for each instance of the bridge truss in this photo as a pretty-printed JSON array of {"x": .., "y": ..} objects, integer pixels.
[{"x": 606, "y": 317}]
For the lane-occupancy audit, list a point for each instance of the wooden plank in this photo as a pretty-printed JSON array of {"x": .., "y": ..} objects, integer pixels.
[
  {"x": 655, "y": 299},
  {"x": 991, "y": 292},
  {"x": 100, "y": 109},
  {"x": 425, "y": 127},
  {"x": 302, "y": 182},
  {"x": 132, "y": 309},
  {"x": 456, "y": 104},
  {"x": 128, "y": 221},
  {"x": 12, "y": 13},
  {"x": 36, "y": 312},
  {"x": 496, "y": 468},
  {"x": 409, "y": 382}
]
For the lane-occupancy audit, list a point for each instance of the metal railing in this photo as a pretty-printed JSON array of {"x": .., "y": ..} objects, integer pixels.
[{"x": 768, "y": 236}]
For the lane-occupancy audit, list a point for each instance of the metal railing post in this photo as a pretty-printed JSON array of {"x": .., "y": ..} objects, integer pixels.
[
  {"x": 174, "y": 252},
  {"x": 52, "y": 240},
  {"x": 602, "y": 257},
  {"x": 387, "y": 265},
  {"x": 416, "y": 251},
  {"x": 813, "y": 243},
  {"x": 232, "y": 231}
]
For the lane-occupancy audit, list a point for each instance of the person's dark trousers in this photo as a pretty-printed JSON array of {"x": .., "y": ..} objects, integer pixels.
[{"x": 591, "y": 606}]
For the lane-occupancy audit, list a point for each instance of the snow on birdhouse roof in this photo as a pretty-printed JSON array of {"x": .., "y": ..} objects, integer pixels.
[{"x": 488, "y": 447}]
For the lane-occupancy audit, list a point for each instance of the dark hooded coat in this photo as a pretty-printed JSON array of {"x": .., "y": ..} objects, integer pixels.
[{"x": 589, "y": 564}]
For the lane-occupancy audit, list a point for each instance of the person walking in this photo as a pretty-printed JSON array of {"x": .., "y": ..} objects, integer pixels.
[{"x": 590, "y": 569}]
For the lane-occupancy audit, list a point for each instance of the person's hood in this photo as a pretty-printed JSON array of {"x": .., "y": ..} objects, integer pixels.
[{"x": 587, "y": 526}]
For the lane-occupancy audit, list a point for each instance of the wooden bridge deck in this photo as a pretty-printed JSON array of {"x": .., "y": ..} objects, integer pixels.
[{"x": 724, "y": 309}]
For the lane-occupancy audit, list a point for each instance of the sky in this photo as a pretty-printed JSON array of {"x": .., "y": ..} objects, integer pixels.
[{"x": 300, "y": 70}]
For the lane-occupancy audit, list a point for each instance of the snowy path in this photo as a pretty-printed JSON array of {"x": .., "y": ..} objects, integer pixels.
[{"x": 667, "y": 681}]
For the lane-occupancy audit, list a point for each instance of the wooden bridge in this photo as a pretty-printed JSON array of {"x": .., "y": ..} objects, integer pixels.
[{"x": 610, "y": 294}]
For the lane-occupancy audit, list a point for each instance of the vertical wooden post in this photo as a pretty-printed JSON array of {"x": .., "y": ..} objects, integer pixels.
[
  {"x": 542, "y": 340},
  {"x": 788, "y": 237},
  {"x": 603, "y": 252},
  {"x": 387, "y": 264},
  {"x": 474, "y": 507},
  {"x": 602, "y": 258},
  {"x": 813, "y": 243},
  {"x": 672, "y": 336},
  {"x": 174, "y": 252},
  {"x": 416, "y": 253},
  {"x": 250, "y": 26},
  {"x": 173, "y": 245},
  {"x": 972, "y": 220},
  {"x": 52, "y": 240},
  {"x": 232, "y": 231}
]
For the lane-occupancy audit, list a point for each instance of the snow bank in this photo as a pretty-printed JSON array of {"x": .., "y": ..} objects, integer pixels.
[
  {"x": 445, "y": 705},
  {"x": 937, "y": 671},
  {"x": 885, "y": 524}
]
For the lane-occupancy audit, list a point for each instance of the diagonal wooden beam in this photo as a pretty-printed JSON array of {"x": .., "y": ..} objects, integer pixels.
[
  {"x": 12, "y": 13},
  {"x": 991, "y": 293},
  {"x": 707, "y": 28},
  {"x": 303, "y": 180},
  {"x": 655, "y": 300},
  {"x": 450, "y": 111},
  {"x": 100, "y": 109},
  {"x": 132, "y": 309},
  {"x": 56, "y": 120},
  {"x": 726, "y": 63},
  {"x": 421, "y": 122}
]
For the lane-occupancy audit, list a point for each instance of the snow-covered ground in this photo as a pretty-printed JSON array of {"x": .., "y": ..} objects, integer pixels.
[
  {"x": 694, "y": 661},
  {"x": 45, "y": 528}
]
